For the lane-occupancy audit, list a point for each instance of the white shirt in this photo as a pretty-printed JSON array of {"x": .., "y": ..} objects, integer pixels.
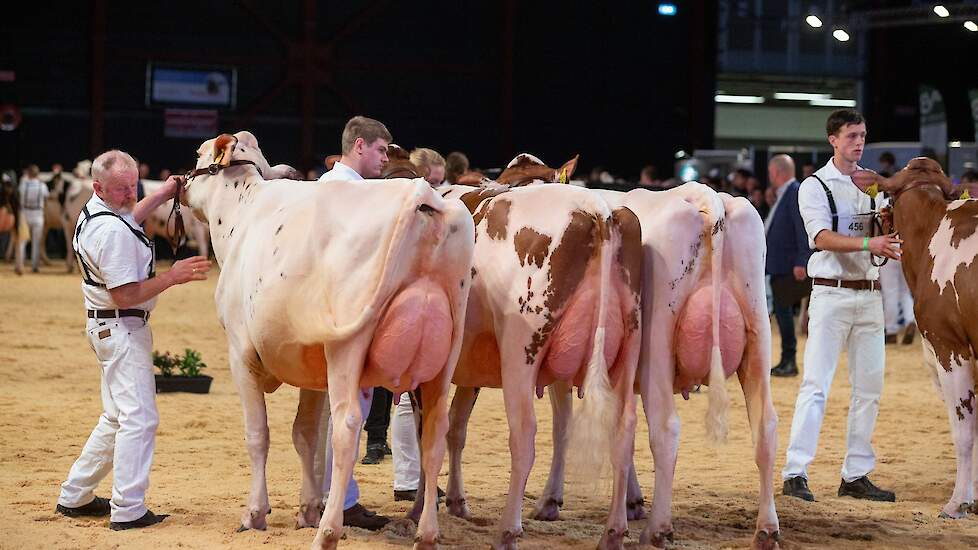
[
  {"x": 33, "y": 193},
  {"x": 114, "y": 255},
  {"x": 852, "y": 206},
  {"x": 340, "y": 172}
]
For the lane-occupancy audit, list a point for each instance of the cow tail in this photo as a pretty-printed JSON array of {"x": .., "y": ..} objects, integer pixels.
[
  {"x": 595, "y": 422},
  {"x": 718, "y": 400}
]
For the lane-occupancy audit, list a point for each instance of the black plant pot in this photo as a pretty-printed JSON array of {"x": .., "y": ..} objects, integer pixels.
[{"x": 189, "y": 384}]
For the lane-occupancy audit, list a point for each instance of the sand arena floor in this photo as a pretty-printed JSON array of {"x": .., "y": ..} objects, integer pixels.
[{"x": 49, "y": 402}]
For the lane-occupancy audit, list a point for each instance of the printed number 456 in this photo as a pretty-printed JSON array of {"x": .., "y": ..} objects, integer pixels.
[{"x": 856, "y": 226}]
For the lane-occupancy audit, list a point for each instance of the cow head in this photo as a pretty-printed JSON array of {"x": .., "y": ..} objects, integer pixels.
[
  {"x": 283, "y": 172},
  {"x": 226, "y": 148},
  {"x": 921, "y": 171},
  {"x": 399, "y": 164},
  {"x": 526, "y": 169}
]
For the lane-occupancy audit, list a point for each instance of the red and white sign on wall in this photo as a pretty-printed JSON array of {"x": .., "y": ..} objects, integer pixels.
[{"x": 190, "y": 123}]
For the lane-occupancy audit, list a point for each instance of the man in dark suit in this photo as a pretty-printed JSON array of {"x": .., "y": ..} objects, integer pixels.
[{"x": 787, "y": 256}]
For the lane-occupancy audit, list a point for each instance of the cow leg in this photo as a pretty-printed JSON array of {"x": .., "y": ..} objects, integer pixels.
[
  {"x": 305, "y": 437},
  {"x": 345, "y": 360},
  {"x": 548, "y": 505},
  {"x": 44, "y": 249},
  {"x": 958, "y": 389},
  {"x": 755, "y": 380},
  {"x": 434, "y": 422},
  {"x": 622, "y": 451},
  {"x": 660, "y": 412},
  {"x": 462, "y": 405},
  {"x": 69, "y": 231},
  {"x": 634, "y": 501},
  {"x": 256, "y": 438},
  {"x": 518, "y": 399}
]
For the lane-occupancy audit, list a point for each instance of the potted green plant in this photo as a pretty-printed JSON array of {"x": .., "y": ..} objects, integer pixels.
[{"x": 181, "y": 372}]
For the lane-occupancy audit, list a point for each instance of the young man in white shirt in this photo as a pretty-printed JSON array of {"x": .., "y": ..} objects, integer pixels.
[
  {"x": 364, "y": 146},
  {"x": 33, "y": 196},
  {"x": 845, "y": 308},
  {"x": 120, "y": 290}
]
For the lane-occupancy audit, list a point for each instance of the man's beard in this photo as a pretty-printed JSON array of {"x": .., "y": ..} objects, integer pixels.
[{"x": 124, "y": 208}]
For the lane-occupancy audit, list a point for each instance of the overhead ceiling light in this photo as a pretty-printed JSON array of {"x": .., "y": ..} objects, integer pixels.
[
  {"x": 840, "y": 35},
  {"x": 813, "y": 21},
  {"x": 721, "y": 98},
  {"x": 941, "y": 11},
  {"x": 800, "y": 96},
  {"x": 970, "y": 25},
  {"x": 667, "y": 9},
  {"x": 833, "y": 102}
]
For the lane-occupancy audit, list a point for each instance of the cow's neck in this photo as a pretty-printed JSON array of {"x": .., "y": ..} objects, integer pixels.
[
  {"x": 220, "y": 199},
  {"x": 917, "y": 215}
]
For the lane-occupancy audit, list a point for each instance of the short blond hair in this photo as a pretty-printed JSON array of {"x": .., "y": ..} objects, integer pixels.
[
  {"x": 362, "y": 127},
  {"x": 426, "y": 158},
  {"x": 106, "y": 162}
]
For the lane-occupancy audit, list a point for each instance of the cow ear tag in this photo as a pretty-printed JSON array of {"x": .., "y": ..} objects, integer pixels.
[
  {"x": 965, "y": 195},
  {"x": 563, "y": 176},
  {"x": 873, "y": 190}
]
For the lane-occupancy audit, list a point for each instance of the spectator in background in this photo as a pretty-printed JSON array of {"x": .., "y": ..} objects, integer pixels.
[
  {"x": 887, "y": 164},
  {"x": 456, "y": 164},
  {"x": 312, "y": 174},
  {"x": 594, "y": 178},
  {"x": 143, "y": 174},
  {"x": 756, "y": 198},
  {"x": 738, "y": 182},
  {"x": 969, "y": 181},
  {"x": 432, "y": 162},
  {"x": 165, "y": 173},
  {"x": 787, "y": 258},
  {"x": 649, "y": 177},
  {"x": 33, "y": 195},
  {"x": 807, "y": 170}
]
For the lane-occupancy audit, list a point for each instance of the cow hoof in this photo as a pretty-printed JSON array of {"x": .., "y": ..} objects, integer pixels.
[
  {"x": 548, "y": 510},
  {"x": 254, "y": 519},
  {"x": 309, "y": 515},
  {"x": 613, "y": 539},
  {"x": 956, "y": 513},
  {"x": 458, "y": 508},
  {"x": 507, "y": 540},
  {"x": 422, "y": 545},
  {"x": 766, "y": 541},
  {"x": 973, "y": 509},
  {"x": 658, "y": 539},
  {"x": 635, "y": 509},
  {"x": 326, "y": 539}
]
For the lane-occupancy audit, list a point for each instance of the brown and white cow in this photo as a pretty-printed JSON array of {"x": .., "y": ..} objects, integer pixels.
[
  {"x": 940, "y": 245},
  {"x": 336, "y": 288},
  {"x": 555, "y": 300},
  {"x": 697, "y": 244}
]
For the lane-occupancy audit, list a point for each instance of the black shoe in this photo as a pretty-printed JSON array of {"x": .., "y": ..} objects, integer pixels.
[
  {"x": 387, "y": 450},
  {"x": 787, "y": 367},
  {"x": 375, "y": 454},
  {"x": 149, "y": 518},
  {"x": 412, "y": 494},
  {"x": 798, "y": 487},
  {"x": 98, "y": 507},
  {"x": 358, "y": 516},
  {"x": 889, "y": 339},
  {"x": 864, "y": 488}
]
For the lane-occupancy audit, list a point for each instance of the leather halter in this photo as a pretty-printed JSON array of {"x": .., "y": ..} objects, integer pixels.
[{"x": 213, "y": 169}]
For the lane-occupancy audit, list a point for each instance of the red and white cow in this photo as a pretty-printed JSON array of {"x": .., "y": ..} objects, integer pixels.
[
  {"x": 555, "y": 300},
  {"x": 338, "y": 288},
  {"x": 697, "y": 244},
  {"x": 940, "y": 245}
]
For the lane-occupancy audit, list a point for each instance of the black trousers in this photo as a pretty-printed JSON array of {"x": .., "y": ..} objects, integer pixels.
[{"x": 379, "y": 418}]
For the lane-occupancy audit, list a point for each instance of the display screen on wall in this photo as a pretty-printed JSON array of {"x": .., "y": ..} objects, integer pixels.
[{"x": 189, "y": 85}]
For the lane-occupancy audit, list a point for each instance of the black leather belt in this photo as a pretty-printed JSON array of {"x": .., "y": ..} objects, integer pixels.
[
  {"x": 114, "y": 313},
  {"x": 854, "y": 285}
]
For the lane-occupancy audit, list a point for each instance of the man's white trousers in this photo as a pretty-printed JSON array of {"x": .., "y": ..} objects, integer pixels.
[{"x": 839, "y": 317}]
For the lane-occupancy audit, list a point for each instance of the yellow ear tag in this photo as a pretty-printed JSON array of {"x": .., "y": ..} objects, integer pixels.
[
  {"x": 217, "y": 159},
  {"x": 873, "y": 190},
  {"x": 965, "y": 195},
  {"x": 563, "y": 176}
]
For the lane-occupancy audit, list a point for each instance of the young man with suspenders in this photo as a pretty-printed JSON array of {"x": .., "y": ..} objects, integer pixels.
[{"x": 845, "y": 309}]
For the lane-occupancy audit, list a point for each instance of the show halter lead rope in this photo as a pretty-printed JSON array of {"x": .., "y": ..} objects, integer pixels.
[{"x": 874, "y": 224}]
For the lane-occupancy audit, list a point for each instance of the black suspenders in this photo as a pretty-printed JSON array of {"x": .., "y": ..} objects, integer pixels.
[
  {"x": 832, "y": 207},
  {"x": 86, "y": 270}
]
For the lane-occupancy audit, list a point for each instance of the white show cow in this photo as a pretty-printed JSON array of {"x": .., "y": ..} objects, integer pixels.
[
  {"x": 333, "y": 287},
  {"x": 555, "y": 301},
  {"x": 697, "y": 243}
]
